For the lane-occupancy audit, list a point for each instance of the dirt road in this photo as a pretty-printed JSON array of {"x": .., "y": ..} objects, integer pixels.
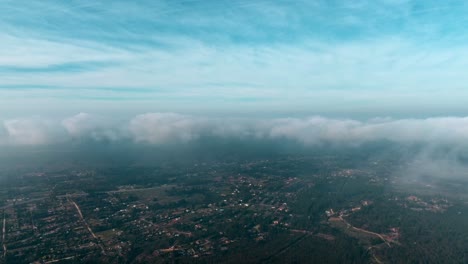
[
  {"x": 87, "y": 226},
  {"x": 4, "y": 235}
]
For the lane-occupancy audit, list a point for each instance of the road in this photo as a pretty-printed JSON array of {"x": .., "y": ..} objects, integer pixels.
[
  {"x": 87, "y": 226},
  {"x": 4, "y": 235},
  {"x": 367, "y": 232},
  {"x": 386, "y": 241},
  {"x": 59, "y": 260},
  {"x": 133, "y": 190},
  {"x": 41, "y": 199},
  {"x": 283, "y": 249},
  {"x": 22, "y": 202}
]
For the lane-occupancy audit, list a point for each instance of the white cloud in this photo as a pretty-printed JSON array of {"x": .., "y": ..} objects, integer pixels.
[
  {"x": 164, "y": 127},
  {"x": 443, "y": 139},
  {"x": 158, "y": 128},
  {"x": 161, "y": 128},
  {"x": 79, "y": 124},
  {"x": 317, "y": 129},
  {"x": 34, "y": 131},
  {"x": 84, "y": 125}
]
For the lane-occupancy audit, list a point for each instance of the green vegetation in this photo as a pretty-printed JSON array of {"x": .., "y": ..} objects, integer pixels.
[{"x": 288, "y": 209}]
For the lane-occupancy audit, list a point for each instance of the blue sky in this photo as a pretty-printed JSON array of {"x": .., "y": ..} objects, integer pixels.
[{"x": 280, "y": 58}]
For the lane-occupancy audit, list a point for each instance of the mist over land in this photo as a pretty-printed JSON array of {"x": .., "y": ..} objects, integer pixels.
[
  {"x": 168, "y": 186},
  {"x": 426, "y": 148}
]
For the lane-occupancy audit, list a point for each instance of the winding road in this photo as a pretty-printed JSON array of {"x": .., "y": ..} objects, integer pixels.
[
  {"x": 87, "y": 226},
  {"x": 387, "y": 241}
]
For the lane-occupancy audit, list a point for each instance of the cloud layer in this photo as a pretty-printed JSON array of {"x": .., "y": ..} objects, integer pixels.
[
  {"x": 162, "y": 128},
  {"x": 431, "y": 148}
]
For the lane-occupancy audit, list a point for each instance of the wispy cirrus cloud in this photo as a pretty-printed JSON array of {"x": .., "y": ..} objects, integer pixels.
[{"x": 377, "y": 55}]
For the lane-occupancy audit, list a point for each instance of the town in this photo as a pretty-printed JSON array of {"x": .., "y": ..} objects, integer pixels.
[{"x": 258, "y": 210}]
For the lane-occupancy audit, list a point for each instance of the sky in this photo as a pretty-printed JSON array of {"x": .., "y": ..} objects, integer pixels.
[
  {"x": 175, "y": 72},
  {"x": 346, "y": 59}
]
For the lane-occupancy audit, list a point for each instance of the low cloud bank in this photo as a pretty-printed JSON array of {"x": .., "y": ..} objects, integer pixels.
[
  {"x": 441, "y": 153},
  {"x": 32, "y": 131},
  {"x": 158, "y": 128},
  {"x": 98, "y": 128},
  {"x": 161, "y": 128}
]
